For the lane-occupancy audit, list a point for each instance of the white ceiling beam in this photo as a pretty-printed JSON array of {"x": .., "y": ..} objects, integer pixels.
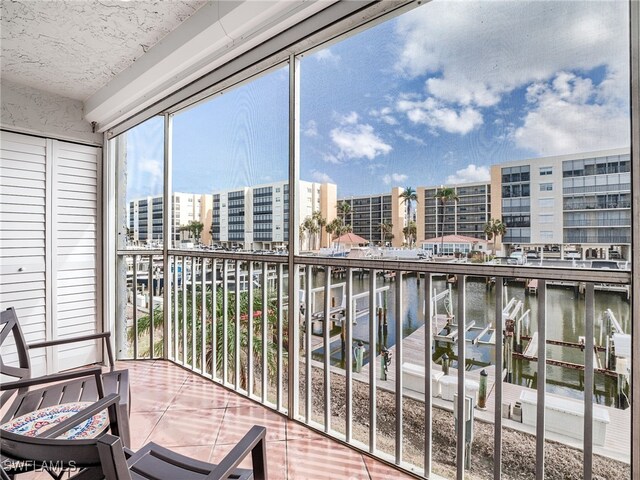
[{"x": 215, "y": 34}]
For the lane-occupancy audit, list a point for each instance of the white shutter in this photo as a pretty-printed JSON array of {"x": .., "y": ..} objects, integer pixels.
[
  {"x": 75, "y": 247},
  {"x": 22, "y": 237},
  {"x": 49, "y": 245}
]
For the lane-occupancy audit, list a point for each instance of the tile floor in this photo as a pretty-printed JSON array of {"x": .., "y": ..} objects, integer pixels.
[{"x": 195, "y": 417}]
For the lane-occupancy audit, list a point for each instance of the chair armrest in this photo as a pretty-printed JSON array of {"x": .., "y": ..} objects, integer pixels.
[
  {"x": 254, "y": 439},
  {"x": 82, "y": 338},
  {"x": 56, "y": 377},
  {"x": 84, "y": 414}
]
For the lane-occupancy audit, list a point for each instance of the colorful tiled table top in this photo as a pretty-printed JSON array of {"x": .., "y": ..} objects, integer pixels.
[{"x": 38, "y": 421}]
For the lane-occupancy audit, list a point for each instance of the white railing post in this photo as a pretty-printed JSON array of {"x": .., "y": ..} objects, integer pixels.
[
  {"x": 326, "y": 337},
  {"x": 428, "y": 394},
  {"x": 372, "y": 360},
  {"x": 250, "y": 329},
  {"x": 542, "y": 378},
  {"x": 398, "y": 360},
  {"x": 588, "y": 381},
  {"x": 497, "y": 432},
  {"x": 462, "y": 360},
  {"x": 348, "y": 347}
]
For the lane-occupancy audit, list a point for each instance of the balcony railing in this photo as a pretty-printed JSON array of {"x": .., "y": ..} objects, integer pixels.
[{"x": 248, "y": 323}]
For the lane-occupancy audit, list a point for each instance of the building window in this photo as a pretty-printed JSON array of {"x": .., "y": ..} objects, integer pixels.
[
  {"x": 546, "y": 171},
  {"x": 546, "y": 187}
]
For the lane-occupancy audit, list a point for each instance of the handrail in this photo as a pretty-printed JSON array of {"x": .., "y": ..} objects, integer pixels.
[{"x": 552, "y": 273}]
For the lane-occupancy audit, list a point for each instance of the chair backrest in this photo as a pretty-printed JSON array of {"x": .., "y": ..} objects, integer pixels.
[{"x": 10, "y": 328}]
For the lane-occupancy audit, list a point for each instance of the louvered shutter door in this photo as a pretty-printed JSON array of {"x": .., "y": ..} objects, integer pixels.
[
  {"x": 75, "y": 243},
  {"x": 49, "y": 245},
  {"x": 22, "y": 237}
]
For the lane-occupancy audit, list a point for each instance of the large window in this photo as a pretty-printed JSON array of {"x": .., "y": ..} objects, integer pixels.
[
  {"x": 433, "y": 136},
  {"x": 230, "y": 168},
  {"x": 139, "y": 229}
]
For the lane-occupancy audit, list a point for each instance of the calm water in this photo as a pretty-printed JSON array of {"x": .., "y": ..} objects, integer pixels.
[{"x": 565, "y": 321}]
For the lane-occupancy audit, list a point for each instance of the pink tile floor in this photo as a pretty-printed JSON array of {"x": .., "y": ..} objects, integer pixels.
[{"x": 193, "y": 416}]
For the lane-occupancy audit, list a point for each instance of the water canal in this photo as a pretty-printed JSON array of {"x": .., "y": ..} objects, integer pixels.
[{"x": 565, "y": 322}]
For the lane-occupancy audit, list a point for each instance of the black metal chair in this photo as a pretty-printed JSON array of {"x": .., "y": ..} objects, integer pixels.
[
  {"x": 106, "y": 458},
  {"x": 14, "y": 462},
  {"x": 72, "y": 386}
]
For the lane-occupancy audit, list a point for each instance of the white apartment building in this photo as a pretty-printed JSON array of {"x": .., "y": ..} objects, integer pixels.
[
  {"x": 579, "y": 201},
  {"x": 369, "y": 212},
  {"x": 146, "y": 217},
  {"x": 256, "y": 218},
  {"x": 466, "y": 216}
]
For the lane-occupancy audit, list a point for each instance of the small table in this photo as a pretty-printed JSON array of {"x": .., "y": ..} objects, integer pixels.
[{"x": 38, "y": 421}]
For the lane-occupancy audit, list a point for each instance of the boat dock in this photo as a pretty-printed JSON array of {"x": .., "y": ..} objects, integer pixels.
[{"x": 617, "y": 443}]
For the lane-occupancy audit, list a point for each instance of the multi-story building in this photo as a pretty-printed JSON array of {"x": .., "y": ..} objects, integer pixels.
[
  {"x": 466, "y": 216},
  {"x": 258, "y": 217},
  {"x": 146, "y": 217},
  {"x": 579, "y": 201},
  {"x": 369, "y": 212}
]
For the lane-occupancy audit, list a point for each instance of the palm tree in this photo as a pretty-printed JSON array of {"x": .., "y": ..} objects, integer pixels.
[
  {"x": 320, "y": 221},
  {"x": 344, "y": 209},
  {"x": 410, "y": 232},
  {"x": 409, "y": 196},
  {"x": 494, "y": 228},
  {"x": 194, "y": 228},
  {"x": 331, "y": 227},
  {"x": 312, "y": 228},
  {"x": 444, "y": 195},
  {"x": 385, "y": 229},
  {"x": 144, "y": 327},
  {"x": 302, "y": 230}
]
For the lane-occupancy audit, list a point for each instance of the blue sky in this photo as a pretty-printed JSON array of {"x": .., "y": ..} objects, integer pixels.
[{"x": 434, "y": 96}]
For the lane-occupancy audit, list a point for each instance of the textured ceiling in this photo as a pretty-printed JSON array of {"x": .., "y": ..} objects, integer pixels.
[{"x": 73, "y": 48}]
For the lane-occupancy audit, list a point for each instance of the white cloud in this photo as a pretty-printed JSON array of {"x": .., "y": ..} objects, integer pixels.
[
  {"x": 469, "y": 174},
  {"x": 471, "y": 54},
  {"x": 311, "y": 129},
  {"x": 384, "y": 114},
  {"x": 350, "y": 118},
  {"x": 395, "y": 178},
  {"x": 150, "y": 169},
  {"x": 437, "y": 115},
  {"x": 410, "y": 138},
  {"x": 355, "y": 140},
  {"x": 327, "y": 56},
  {"x": 508, "y": 44},
  {"x": 567, "y": 115},
  {"x": 321, "y": 177}
]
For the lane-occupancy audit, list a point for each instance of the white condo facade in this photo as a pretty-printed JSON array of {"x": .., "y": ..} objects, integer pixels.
[
  {"x": 257, "y": 217},
  {"x": 580, "y": 202}
]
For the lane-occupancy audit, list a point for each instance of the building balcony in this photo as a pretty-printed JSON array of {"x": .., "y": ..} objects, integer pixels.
[{"x": 368, "y": 411}]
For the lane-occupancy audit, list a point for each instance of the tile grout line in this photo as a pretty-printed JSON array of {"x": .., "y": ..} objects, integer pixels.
[
  {"x": 366, "y": 467},
  {"x": 169, "y": 403}
]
